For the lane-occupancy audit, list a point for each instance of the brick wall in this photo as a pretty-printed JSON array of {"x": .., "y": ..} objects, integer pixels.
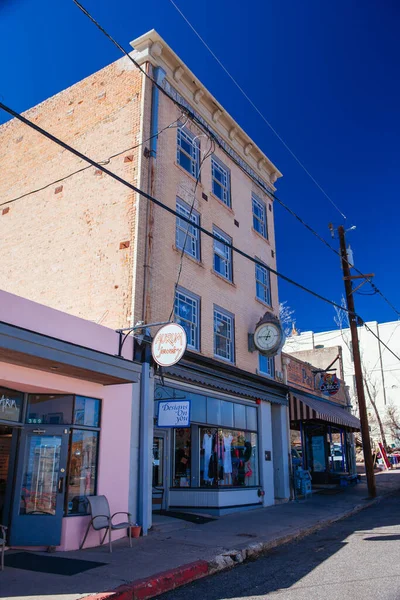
[
  {"x": 71, "y": 245},
  {"x": 198, "y": 277}
]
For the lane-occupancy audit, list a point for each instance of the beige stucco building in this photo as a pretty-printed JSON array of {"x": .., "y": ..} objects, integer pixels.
[{"x": 76, "y": 240}]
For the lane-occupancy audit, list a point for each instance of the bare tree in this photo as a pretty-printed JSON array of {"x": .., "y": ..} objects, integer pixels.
[
  {"x": 286, "y": 317},
  {"x": 372, "y": 393},
  {"x": 393, "y": 422}
]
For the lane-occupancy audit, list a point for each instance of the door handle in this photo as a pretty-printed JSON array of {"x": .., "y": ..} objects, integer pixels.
[{"x": 61, "y": 485}]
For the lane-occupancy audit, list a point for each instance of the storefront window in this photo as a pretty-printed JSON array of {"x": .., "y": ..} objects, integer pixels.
[
  {"x": 87, "y": 411},
  {"x": 82, "y": 470},
  {"x": 228, "y": 458},
  {"x": 49, "y": 409},
  {"x": 10, "y": 404},
  {"x": 182, "y": 458}
]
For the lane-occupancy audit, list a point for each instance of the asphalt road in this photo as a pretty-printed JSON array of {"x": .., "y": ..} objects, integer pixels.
[{"x": 357, "y": 559}]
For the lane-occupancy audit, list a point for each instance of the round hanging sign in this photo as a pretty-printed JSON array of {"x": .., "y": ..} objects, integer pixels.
[{"x": 169, "y": 345}]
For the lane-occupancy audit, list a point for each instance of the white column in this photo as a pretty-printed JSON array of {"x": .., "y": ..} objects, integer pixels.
[
  {"x": 265, "y": 443},
  {"x": 280, "y": 442}
]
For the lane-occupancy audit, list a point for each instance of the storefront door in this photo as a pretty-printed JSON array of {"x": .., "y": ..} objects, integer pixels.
[
  {"x": 39, "y": 487},
  {"x": 159, "y": 471}
]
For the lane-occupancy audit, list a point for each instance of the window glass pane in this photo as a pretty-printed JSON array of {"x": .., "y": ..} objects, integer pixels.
[
  {"x": 82, "y": 470},
  {"x": 49, "y": 409},
  {"x": 182, "y": 455},
  {"x": 251, "y": 417},
  {"x": 158, "y": 461},
  {"x": 223, "y": 335},
  {"x": 10, "y": 404},
  {"x": 40, "y": 475},
  {"x": 240, "y": 415},
  {"x": 187, "y": 235},
  {"x": 228, "y": 458},
  {"x": 186, "y": 315},
  {"x": 87, "y": 411},
  {"x": 266, "y": 365}
]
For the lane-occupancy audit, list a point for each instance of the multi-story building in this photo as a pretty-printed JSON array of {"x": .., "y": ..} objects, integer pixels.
[
  {"x": 75, "y": 239},
  {"x": 380, "y": 370}
]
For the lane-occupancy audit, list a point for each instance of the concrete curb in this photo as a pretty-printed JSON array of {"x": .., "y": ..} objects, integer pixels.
[{"x": 150, "y": 587}]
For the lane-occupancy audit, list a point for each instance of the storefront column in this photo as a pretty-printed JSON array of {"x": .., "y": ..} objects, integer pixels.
[
  {"x": 134, "y": 453},
  {"x": 266, "y": 464},
  {"x": 280, "y": 450}
]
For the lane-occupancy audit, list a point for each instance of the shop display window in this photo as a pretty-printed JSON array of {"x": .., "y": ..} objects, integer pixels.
[
  {"x": 82, "y": 471},
  {"x": 87, "y": 411},
  {"x": 228, "y": 458},
  {"x": 182, "y": 455},
  {"x": 10, "y": 404},
  {"x": 49, "y": 409}
]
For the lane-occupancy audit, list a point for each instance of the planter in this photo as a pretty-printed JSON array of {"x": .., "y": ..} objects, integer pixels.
[{"x": 135, "y": 531}]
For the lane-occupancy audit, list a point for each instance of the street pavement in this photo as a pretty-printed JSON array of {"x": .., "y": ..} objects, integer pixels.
[{"x": 357, "y": 558}]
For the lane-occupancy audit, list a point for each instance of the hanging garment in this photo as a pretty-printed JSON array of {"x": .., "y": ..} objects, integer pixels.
[
  {"x": 227, "y": 461},
  {"x": 207, "y": 447}
]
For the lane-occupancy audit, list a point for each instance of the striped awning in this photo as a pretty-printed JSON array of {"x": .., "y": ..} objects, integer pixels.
[{"x": 303, "y": 408}]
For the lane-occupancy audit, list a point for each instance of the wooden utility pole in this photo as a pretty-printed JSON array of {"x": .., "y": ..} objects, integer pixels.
[{"x": 366, "y": 442}]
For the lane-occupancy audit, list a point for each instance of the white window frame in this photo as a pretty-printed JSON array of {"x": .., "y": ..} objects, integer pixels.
[
  {"x": 225, "y": 184},
  {"x": 265, "y": 285},
  {"x": 193, "y": 155},
  {"x": 259, "y": 221},
  {"x": 193, "y": 340},
  {"x": 192, "y": 246},
  {"x": 270, "y": 363},
  {"x": 224, "y": 253},
  {"x": 229, "y": 319}
]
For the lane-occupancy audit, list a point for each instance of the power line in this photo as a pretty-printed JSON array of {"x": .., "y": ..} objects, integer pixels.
[
  {"x": 211, "y": 134},
  {"x": 174, "y": 212},
  {"x": 258, "y": 110},
  {"x": 104, "y": 162}
]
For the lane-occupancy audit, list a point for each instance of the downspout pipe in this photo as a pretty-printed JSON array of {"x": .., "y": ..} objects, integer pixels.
[{"x": 158, "y": 76}]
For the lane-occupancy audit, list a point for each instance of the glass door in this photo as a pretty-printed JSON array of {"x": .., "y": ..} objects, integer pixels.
[
  {"x": 39, "y": 488},
  {"x": 158, "y": 472}
]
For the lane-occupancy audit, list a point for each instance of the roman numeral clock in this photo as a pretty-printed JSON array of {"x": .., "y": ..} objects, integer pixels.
[{"x": 268, "y": 337}]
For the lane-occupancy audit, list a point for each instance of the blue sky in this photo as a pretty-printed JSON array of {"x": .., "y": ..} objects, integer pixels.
[{"x": 325, "y": 74}]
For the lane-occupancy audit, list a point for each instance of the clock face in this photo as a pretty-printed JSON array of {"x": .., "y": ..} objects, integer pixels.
[{"x": 267, "y": 337}]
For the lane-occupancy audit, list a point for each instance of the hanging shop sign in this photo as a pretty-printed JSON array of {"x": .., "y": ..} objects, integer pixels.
[
  {"x": 330, "y": 384},
  {"x": 174, "y": 413},
  {"x": 169, "y": 345}
]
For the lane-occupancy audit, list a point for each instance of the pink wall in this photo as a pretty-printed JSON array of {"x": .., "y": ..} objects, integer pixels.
[
  {"x": 114, "y": 451},
  {"x": 16, "y": 310}
]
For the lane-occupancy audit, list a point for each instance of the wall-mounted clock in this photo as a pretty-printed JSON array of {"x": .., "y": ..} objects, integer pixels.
[{"x": 268, "y": 337}]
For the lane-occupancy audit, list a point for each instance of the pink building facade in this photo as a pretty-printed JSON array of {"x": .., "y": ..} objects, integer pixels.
[{"x": 68, "y": 424}]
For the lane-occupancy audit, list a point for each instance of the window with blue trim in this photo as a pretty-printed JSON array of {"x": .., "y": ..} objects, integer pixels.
[
  {"x": 187, "y": 315},
  {"x": 221, "y": 181},
  {"x": 224, "y": 325},
  {"x": 186, "y": 235},
  {"x": 222, "y": 254},
  {"x": 266, "y": 365},
  {"x": 188, "y": 151},
  {"x": 259, "y": 216},
  {"x": 263, "y": 284}
]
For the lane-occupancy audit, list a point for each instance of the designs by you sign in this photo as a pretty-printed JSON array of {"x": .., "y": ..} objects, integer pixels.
[
  {"x": 174, "y": 413},
  {"x": 169, "y": 345}
]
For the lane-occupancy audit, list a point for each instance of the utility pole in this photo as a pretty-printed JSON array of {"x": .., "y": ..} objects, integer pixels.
[{"x": 366, "y": 442}]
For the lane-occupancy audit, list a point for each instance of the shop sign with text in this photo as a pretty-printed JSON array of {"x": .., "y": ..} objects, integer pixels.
[
  {"x": 300, "y": 374},
  {"x": 169, "y": 345},
  {"x": 174, "y": 413},
  {"x": 330, "y": 384}
]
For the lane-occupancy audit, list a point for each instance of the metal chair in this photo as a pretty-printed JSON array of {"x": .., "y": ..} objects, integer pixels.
[
  {"x": 101, "y": 518},
  {"x": 3, "y": 536}
]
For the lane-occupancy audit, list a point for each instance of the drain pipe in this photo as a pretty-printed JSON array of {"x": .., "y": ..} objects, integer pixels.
[{"x": 158, "y": 76}]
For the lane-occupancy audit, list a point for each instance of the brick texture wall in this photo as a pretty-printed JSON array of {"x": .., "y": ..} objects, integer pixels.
[
  {"x": 238, "y": 297},
  {"x": 71, "y": 246}
]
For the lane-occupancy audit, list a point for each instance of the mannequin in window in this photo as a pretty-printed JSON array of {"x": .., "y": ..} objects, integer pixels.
[
  {"x": 227, "y": 441},
  {"x": 207, "y": 447}
]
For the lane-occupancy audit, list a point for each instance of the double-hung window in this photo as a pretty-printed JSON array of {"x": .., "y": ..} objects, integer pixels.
[
  {"x": 260, "y": 216},
  {"x": 266, "y": 365},
  {"x": 224, "y": 327},
  {"x": 222, "y": 254},
  {"x": 188, "y": 151},
  {"x": 187, "y": 315},
  {"x": 187, "y": 236},
  {"x": 263, "y": 284},
  {"x": 221, "y": 181}
]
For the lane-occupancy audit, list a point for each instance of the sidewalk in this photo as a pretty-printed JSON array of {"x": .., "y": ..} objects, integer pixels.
[{"x": 181, "y": 551}]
